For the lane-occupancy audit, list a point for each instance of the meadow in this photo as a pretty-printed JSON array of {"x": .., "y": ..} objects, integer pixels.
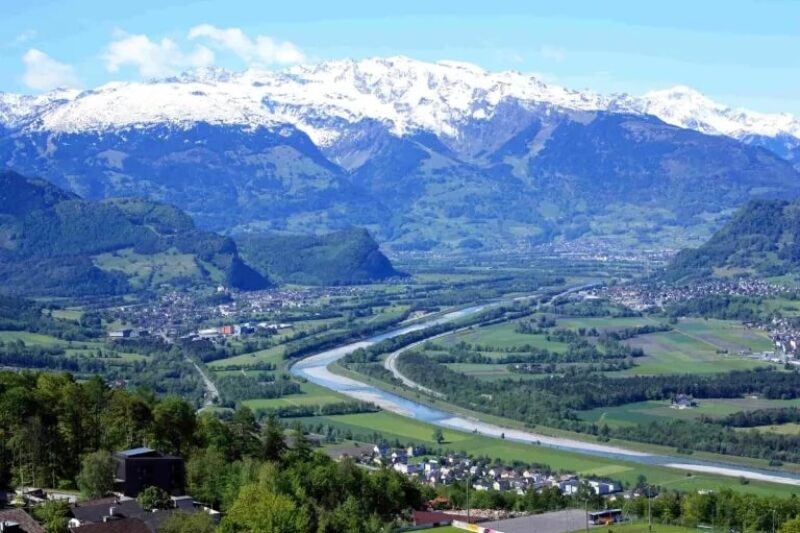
[
  {"x": 310, "y": 395},
  {"x": 657, "y": 411}
]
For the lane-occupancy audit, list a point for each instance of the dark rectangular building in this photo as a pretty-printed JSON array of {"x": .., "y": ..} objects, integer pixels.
[{"x": 139, "y": 468}]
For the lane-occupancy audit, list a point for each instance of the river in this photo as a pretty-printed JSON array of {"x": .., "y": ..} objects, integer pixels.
[{"x": 315, "y": 369}]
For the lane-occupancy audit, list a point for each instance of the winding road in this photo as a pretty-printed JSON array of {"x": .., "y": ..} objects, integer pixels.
[{"x": 315, "y": 369}]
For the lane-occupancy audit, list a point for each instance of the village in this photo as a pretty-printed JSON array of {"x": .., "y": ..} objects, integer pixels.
[
  {"x": 483, "y": 475},
  {"x": 176, "y": 314}
]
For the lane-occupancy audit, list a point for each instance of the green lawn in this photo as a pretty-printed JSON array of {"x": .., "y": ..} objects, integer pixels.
[
  {"x": 695, "y": 347},
  {"x": 270, "y": 355},
  {"x": 393, "y": 426},
  {"x": 605, "y": 323},
  {"x": 782, "y": 429},
  {"x": 311, "y": 395},
  {"x": 30, "y": 339},
  {"x": 502, "y": 336},
  {"x": 655, "y": 411}
]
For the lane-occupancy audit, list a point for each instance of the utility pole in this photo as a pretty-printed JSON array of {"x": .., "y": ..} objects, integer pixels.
[
  {"x": 773, "y": 521},
  {"x": 649, "y": 511}
]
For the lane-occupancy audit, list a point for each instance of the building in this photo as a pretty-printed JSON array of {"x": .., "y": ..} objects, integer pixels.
[
  {"x": 124, "y": 525},
  {"x": 139, "y": 468},
  {"x": 18, "y": 521}
]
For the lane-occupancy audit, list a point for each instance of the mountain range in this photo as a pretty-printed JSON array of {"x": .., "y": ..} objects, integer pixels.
[
  {"x": 426, "y": 155},
  {"x": 54, "y": 243}
]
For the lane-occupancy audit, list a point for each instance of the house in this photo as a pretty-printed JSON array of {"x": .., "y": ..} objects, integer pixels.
[
  {"x": 18, "y": 521},
  {"x": 380, "y": 451},
  {"x": 139, "y": 468},
  {"x": 406, "y": 468},
  {"x": 683, "y": 401},
  {"x": 604, "y": 487},
  {"x": 120, "y": 334},
  {"x": 125, "y": 525}
]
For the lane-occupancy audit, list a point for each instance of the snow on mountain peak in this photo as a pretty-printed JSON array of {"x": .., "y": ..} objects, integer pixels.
[{"x": 405, "y": 94}]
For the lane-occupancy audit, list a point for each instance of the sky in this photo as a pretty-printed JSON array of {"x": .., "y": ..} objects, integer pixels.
[{"x": 741, "y": 53}]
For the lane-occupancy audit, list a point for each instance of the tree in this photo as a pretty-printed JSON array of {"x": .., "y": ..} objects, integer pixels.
[
  {"x": 53, "y": 516},
  {"x": 438, "y": 436},
  {"x": 181, "y": 522},
  {"x": 257, "y": 509},
  {"x": 152, "y": 498},
  {"x": 96, "y": 478},
  {"x": 174, "y": 424},
  {"x": 302, "y": 447},
  {"x": 792, "y": 526},
  {"x": 273, "y": 444}
]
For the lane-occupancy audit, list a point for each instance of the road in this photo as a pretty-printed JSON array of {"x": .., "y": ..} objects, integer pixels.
[
  {"x": 212, "y": 392},
  {"x": 390, "y": 363},
  {"x": 315, "y": 369}
]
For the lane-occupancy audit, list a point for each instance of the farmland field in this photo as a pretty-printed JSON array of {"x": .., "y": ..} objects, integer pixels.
[
  {"x": 270, "y": 355},
  {"x": 502, "y": 336},
  {"x": 781, "y": 429},
  {"x": 311, "y": 395},
  {"x": 696, "y": 346},
  {"x": 654, "y": 411}
]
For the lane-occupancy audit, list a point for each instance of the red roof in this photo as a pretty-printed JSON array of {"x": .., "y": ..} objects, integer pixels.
[{"x": 435, "y": 517}]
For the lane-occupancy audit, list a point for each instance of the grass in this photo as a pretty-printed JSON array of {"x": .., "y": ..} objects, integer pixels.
[
  {"x": 696, "y": 348},
  {"x": 502, "y": 336},
  {"x": 270, "y": 355},
  {"x": 781, "y": 429},
  {"x": 393, "y": 426},
  {"x": 30, "y": 339},
  {"x": 147, "y": 269},
  {"x": 654, "y": 411},
  {"x": 310, "y": 395},
  {"x": 605, "y": 323}
]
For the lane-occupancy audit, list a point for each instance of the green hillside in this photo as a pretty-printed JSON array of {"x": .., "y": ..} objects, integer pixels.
[
  {"x": 762, "y": 239},
  {"x": 344, "y": 257},
  {"x": 54, "y": 243}
]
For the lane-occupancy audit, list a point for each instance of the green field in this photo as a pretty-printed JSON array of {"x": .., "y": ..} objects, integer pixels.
[
  {"x": 270, "y": 355},
  {"x": 502, "y": 336},
  {"x": 393, "y": 426},
  {"x": 311, "y": 395},
  {"x": 604, "y": 323},
  {"x": 30, "y": 339},
  {"x": 698, "y": 346},
  {"x": 657, "y": 411},
  {"x": 781, "y": 429}
]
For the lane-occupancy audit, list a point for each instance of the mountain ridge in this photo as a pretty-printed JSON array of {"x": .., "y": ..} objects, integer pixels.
[
  {"x": 417, "y": 153},
  {"x": 410, "y": 95}
]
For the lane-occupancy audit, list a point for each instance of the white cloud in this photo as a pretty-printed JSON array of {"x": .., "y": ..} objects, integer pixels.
[
  {"x": 262, "y": 49},
  {"x": 25, "y": 36},
  {"x": 44, "y": 73},
  {"x": 553, "y": 53},
  {"x": 153, "y": 59}
]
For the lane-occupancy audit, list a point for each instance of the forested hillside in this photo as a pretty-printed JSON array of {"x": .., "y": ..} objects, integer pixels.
[
  {"x": 762, "y": 239},
  {"x": 54, "y": 243},
  {"x": 343, "y": 257}
]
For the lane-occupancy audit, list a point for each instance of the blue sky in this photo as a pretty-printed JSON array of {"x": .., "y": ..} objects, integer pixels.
[{"x": 739, "y": 52}]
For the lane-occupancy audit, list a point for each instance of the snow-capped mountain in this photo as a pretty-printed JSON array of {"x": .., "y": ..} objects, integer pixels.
[
  {"x": 405, "y": 94},
  {"x": 424, "y": 154}
]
